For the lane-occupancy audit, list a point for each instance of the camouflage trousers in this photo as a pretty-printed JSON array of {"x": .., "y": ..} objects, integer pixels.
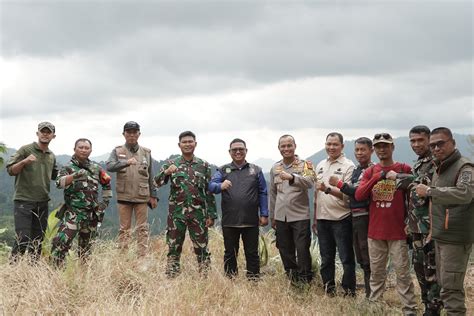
[
  {"x": 424, "y": 264},
  {"x": 74, "y": 222},
  {"x": 195, "y": 222}
]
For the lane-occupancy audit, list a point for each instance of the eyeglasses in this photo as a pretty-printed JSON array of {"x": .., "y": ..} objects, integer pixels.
[
  {"x": 382, "y": 136},
  {"x": 235, "y": 150},
  {"x": 438, "y": 144}
]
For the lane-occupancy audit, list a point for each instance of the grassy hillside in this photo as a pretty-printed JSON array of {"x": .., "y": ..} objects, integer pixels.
[{"x": 112, "y": 283}]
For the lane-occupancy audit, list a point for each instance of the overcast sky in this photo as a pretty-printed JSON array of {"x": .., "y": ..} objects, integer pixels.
[{"x": 248, "y": 69}]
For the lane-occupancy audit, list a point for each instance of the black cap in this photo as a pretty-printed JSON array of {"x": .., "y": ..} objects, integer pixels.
[{"x": 131, "y": 125}]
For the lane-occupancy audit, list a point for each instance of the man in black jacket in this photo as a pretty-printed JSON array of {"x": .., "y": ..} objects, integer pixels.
[{"x": 244, "y": 208}]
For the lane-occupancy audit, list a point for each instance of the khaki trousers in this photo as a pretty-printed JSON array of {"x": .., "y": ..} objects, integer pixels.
[
  {"x": 125, "y": 212},
  {"x": 451, "y": 265},
  {"x": 379, "y": 251}
]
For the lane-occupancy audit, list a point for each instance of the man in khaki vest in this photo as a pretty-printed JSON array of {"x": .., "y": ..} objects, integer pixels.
[{"x": 134, "y": 186}]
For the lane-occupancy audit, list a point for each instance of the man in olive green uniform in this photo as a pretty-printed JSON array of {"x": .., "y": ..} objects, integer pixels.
[
  {"x": 135, "y": 188},
  {"x": 451, "y": 192},
  {"x": 34, "y": 166},
  {"x": 191, "y": 205}
]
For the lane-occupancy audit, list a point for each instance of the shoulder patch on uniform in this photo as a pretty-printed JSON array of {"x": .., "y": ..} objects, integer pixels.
[{"x": 465, "y": 177}]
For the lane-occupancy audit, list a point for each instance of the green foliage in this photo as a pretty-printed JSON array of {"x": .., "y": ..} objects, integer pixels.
[
  {"x": 315, "y": 258},
  {"x": 3, "y": 150},
  {"x": 4, "y": 248},
  {"x": 263, "y": 248},
  {"x": 51, "y": 231}
]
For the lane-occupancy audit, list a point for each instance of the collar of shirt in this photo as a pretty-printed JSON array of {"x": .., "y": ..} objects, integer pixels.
[
  {"x": 294, "y": 163},
  {"x": 182, "y": 160},
  {"x": 339, "y": 159},
  {"x": 133, "y": 148},
  {"x": 37, "y": 147},
  {"x": 236, "y": 167}
]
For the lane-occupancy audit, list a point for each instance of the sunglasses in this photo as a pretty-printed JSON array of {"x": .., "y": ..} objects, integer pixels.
[
  {"x": 234, "y": 150},
  {"x": 382, "y": 136},
  {"x": 438, "y": 144}
]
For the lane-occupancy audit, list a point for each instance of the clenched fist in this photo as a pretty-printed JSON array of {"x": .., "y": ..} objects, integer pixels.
[{"x": 171, "y": 169}]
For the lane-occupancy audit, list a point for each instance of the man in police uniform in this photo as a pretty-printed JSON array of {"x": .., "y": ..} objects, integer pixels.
[
  {"x": 34, "y": 166},
  {"x": 191, "y": 205},
  {"x": 290, "y": 179},
  {"x": 451, "y": 192},
  {"x": 135, "y": 188}
]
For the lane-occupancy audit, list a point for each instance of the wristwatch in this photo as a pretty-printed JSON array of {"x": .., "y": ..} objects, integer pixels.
[{"x": 327, "y": 191}]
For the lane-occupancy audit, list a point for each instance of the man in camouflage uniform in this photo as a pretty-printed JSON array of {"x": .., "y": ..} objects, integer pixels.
[
  {"x": 418, "y": 221},
  {"x": 191, "y": 205},
  {"x": 82, "y": 211}
]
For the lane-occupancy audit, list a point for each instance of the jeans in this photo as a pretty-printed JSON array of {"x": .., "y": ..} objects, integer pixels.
[{"x": 332, "y": 235}]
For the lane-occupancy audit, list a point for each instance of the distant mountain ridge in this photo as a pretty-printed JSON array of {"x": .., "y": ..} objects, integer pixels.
[{"x": 157, "y": 217}]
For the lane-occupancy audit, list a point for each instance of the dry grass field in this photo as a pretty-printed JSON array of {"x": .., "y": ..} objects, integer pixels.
[{"x": 115, "y": 283}]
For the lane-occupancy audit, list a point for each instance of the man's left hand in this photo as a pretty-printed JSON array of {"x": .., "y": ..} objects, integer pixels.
[
  {"x": 263, "y": 221},
  {"x": 153, "y": 202}
]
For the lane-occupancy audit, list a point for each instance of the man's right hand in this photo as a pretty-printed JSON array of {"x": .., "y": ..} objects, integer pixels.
[
  {"x": 333, "y": 180},
  {"x": 225, "y": 185},
  {"x": 171, "y": 169},
  {"x": 315, "y": 229},
  {"x": 132, "y": 161},
  {"x": 30, "y": 159},
  {"x": 79, "y": 174}
]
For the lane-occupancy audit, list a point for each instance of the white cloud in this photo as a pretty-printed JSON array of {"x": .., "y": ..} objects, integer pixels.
[{"x": 233, "y": 70}]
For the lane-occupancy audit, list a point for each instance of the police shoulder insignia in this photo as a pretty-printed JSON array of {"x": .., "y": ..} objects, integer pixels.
[{"x": 227, "y": 170}]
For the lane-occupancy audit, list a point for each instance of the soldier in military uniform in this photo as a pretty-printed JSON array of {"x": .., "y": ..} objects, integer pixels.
[
  {"x": 82, "y": 211},
  {"x": 418, "y": 221},
  {"x": 290, "y": 179},
  {"x": 191, "y": 205}
]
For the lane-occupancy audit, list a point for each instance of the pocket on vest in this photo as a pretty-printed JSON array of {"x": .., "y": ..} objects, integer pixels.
[
  {"x": 120, "y": 186},
  {"x": 143, "y": 189}
]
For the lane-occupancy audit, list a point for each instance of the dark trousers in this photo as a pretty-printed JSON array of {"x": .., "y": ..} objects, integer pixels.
[
  {"x": 332, "y": 235},
  {"x": 293, "y": 241},
  {"x": 231, "y": 245},
  {"x": 360, "y": 228},
  {"x": 31, "y": 220}
]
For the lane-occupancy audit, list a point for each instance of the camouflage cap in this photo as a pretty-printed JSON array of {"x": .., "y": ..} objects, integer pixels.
[
  {"x": 382, "y": 138},
  {"x": 47, "y": 125},
  {"x": 131, "y": 125}
]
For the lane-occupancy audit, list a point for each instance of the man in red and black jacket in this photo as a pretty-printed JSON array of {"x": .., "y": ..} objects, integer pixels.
[{"x": 387, "y": 213}]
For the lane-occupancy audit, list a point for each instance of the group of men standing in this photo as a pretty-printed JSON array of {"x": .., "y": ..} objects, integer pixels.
[{"x": 364, "y": 212}]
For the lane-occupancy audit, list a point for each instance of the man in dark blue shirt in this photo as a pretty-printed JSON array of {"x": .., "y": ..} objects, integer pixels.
[{"x": 244, "y": 208}]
